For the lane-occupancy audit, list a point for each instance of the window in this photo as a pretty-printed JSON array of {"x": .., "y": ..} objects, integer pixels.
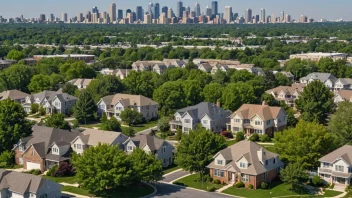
[
  {"x": 242, "y": 165},
  {"x": 129, "y": 148},
  {"x": 266, "y": 162},
  {"x": 244, "y": 178},
  {"x": 268, "y": 122},
  {"x": 219, "y": 162},
  {"x": 164, "y": 149},
  {"x": 236, "y": 129},
  {"x": 238, "y": 120},
  {"x": 339, "y": 168},
  {"x": 265, "y": 175},
  {"x": 274, "y": 161},
  {"x": 218, "y": 173},
  {"x": 258, "y": 131},
  {"x": 205, "y": 121},
  {"x": 79, "y": 146},
  {"x": 21, "y": 148},
  {"x": 258, "y": 123},
  {"x": 185, "y": 129},
  {"x": 164, "y": 161},
  {"x": 33, "y": 152},
  {"x": 246, "y": 121},
  {"x": 326, "y": 165},
  {"x": 44, "y": 196},
  {"x": 187, "y": 121}
]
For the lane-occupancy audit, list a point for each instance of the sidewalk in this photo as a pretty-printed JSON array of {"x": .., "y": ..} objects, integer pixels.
[{"x": 224, "y": 188}]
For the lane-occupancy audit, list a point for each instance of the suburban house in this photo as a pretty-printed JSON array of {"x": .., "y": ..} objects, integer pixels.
[
  {"x": 287, "y": 74},
  {"x": 45, "y": 148},
  {"x": 175, "y": 63},
  {"x": 343, "y": 95},
  {"x": 80, "y": 83},
  {"x": 160, "y": 68},
  {"x": 113, "y": 105},
  {"x": 144, "y": 65},
  {"x": 22, "y": 185},
  {"x": 336, "y": 167},
  {"x": 14, "y": 95},
  {"x": 245, "y": 161},
  {"x": 79, "y": 57},
  {"x": 343, "y": 84},
  {"x": 198, "y": 61},
  {"x": 6, "y": 63},
  {"x": 205, "y": 67},
  {"x": 160, "y": 148},
  {"x": 288, "y": 94},
  {"x": 326, "y": 78},
  {"x": 120, "y": 73},
  {"x": 52, "y": 101},
  {"x": 209, "y": 115},
  {"x": 92, "y": 137},
  {"x": 260, "y": 119}
]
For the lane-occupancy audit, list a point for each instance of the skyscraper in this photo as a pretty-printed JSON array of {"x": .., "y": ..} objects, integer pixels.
[
  {"x": 164, "y": 10},
  {"x": 262, "y": 15},
  {"x": 288, "y": 18},
  {"x": 282, "y": 18},
  {"x": 179, "y": 9},
  {"x": 150, "y": 8},
  {"x": 208, "y": 11},
  {"x": 273, "y": 19},
  {"x": 248, "y": 16},
  {"x": 112, "y": 12},
  {"x": 64, "y": 17},
  {"x": 197, "y": 9},
  {"x": 80, "y": 17},
  {"x": 139, "y": 13},
  {"x": 95, "y": 10},
  {"x": 170, "y": 13},
  {"x": 214, "y": 8},
  {"x": 42, "y": 18},
  {"x": 156, "y": 11},
  {"x": 188, "y": 9},
  {"x": 235, "y": 16},
  {"x": 52, "y": 18},
  {"x": 120, "y": 14},
  {"x": 89, "y": 17},
  {"x": 228, "y": 14},
  {"x": 128, "y": 11}
]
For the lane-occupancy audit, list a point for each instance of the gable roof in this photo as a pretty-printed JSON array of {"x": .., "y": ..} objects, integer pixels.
[
  {"x": 93, "y": 137},
  {"x": 345, "y": 94},
  {"x": 201, "y": 109},
  {"x": 64, "y": 97},
  {"x": 297, "y": 87},
  {"x": 128, "y": 100},
  {"x": 80, "y": 82},
  {"x": 265, "y": 112},
  {"x": 13, "y": 95},
  {"x": 345, "y": 81},
  {"x": 147, "y": 140},
  {"x": 344, "y": 152},
  {"x": 322, "y": 77}
]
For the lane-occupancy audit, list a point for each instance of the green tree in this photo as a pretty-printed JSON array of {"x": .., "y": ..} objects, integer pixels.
[
  {"x": 340, "y": 123},
  {"x": 236, "y": 94},
  {"x": 85, "y": 108},
  {"x": 220, "y": 77},
  {"x": 293, "y": 174},
  {"x": 129, "y": 131},
  {"x": 13, "y": 124},
  {"x": 131, "y": 117},
  {"x": 15, "y": 55},
  {"x": 102, "y": 167},
  {"x": 141, "y": 83},
  {"x": 42, "y": 111},
  {"x": 291, "y": 118},
  {"x": 110, "y": 125},
  {"x": 8, "y": 158},
  {"x": 69, "y": 88},
  {"x": 163, "y": 124},
  {"x": 315, "y": 102},
  {"x": 193, "y": 92},
  {"x": 239, "y": 136},
  {"x": 77, "y": 70},
  {"x": 40, "y": 83},
  {"x": 305, "y": 144},
  {"x": 282, "y": 80},
  {"x": 196, "y": 150},
  {"x": 241, "y": 75},
  {"x": 145, "y": 166},
  {"x": 103, "y": 86},
  {"x": 212, "y": 92},
  {"x": 34, "y": 108},
  {"x": 16, "y": 77},
  {"x": 57, "y": 120}
]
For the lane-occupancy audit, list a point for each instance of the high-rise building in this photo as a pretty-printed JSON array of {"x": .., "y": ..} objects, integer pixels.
[
  {"x": 52, "y": 18},
  {"x": 262, "y": 16},
  {"x": 303, "y": 19},
  {"x": 64, "y": 17},
  {"x": 139, "y": 13},
  {"x": 156, "y": 11},
  {"x": 80, "y": 17},
  {"x": 273, "y": 19},
  {"x": 208, "y": 11},
  {"x": 282, "y": 18},
  {"x": 147, "y": 18},
  {"x": 170, "y": 13},
  {"x": 120, "y": 14},
  {"x": 162, "y": 18},
  {"x": 288, "y": 18},
  {"x": 112, "y": 12},
  {"x": 248, "y": 16},
  {"x": 150, "y": 8},
  {"x": 235, "y": 16},
  {"x": 89, "y": 17},
  {"x": 179, "y": 9},
  {"x": 228, "y": 14},
  {"x": 130, "y": 17},
  {"x": 164, "y": 10},
  {"x": 197, "y": 9},
  {"x": 95, "y": 10},
  {"x": 128, "y": 11},
  {"x": 188, "y": 9},
  {"x": 214, "y": 8}
]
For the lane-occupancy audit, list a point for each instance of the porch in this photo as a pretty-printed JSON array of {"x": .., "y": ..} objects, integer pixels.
[{"x": 175, "y": 125}]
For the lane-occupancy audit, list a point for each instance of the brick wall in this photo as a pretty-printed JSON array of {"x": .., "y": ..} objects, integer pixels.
[
  {"x": 222, "y": 179},
  {"x": 18, "y": 155},
  {"x": 28, "y": 157}
]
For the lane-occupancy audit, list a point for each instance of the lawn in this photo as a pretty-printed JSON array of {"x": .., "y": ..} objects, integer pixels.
[
  {"x": 231, "y": 142},
  {"x": 268, "y": 147},
  {"x": 69, "y": 180},
  {"x": 15, "y": 166},
  {"x": 170, "y": 169},
  {"x": 348, "y": 195},
  {"x": 91, "y": 126},
  {"x": 75, "y": 190},
  {"x": 193, "y": 182},
  {"x": 330, "y": 193},
  {"x": 145, "y": 126}
]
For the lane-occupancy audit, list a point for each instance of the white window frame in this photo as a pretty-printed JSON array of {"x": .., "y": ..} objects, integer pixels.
[
  {"x": 219, "y": 162},
  {"x": 243, "y": 165},
  {"x": 129, "y": 148},
  {"x": 219, "y": 173},
  {"x": 257, "y": 123},
  {"x": 205, "y": 122},
  {"x": 187, "y": 121},
  {"x": 184, "y": 129},
  {"x": 79, "y": 146},
  {"x": 339, "y": 168},
  {"x": 245, "y": 178}
]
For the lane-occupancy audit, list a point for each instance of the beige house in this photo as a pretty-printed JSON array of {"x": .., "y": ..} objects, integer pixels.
[
  {"x": 245, "y": 161},
  {"x": 287, "y": 93},
  {"x": 260, "y": 119},
  {"x": 120, "y": 73},
  {"x": 336, "y": 167},
  {"x": 14, "y": 95},
  {"x": 326, "y": 78},
  {"x": 80, "y": 83},
  {"x": 343, "y": 95},
  {"x": 343, "y": 84}
]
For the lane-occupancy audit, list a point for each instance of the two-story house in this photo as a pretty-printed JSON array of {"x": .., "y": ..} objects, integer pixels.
[
  {"x": 113, "y": 105},
  {"x": 326, "y": 78},
  {"x": 175, "y": 63},
  {"x": 92, "y": 137},
  {"x": 144, "y": 65},
  {"x": 120, "y": 73},
  {"x": 245, "y": 161},
  {"x": 260, "y": 119},
  {"x": 52, "y": 101},
  {"x": 14, "y": 95},
  {"x": 336, "y": 167},
  {"x": 22, "y": 185},
  {"x": 160, "y": 148},
  {"x": 45, "y": 148},
  {"x": 288, "y": 94},
  {"x": 209, "y": 115},
  {"x": 343, "y": 84},
  {"x": 160, "y": 68},
  {"x": 205, "y": 67},
  {"x": 342, "y": 95},
  {"x": 80, "y": 83}
]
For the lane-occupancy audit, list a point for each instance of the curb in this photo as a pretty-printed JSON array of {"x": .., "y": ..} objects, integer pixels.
[
  {"x": 153, "y": 193},
  {"x": 171, "y": 182},
  {"x": 172, "y": 172}
]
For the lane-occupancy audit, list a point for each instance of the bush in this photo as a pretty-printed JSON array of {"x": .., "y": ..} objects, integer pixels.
[
  {"x": 42, "y": 111},
  {"x": 163, "y": 124},
  {"x": 207, "y": 178},
  {"x": 239, "y": 185},
  {"x": 8, "y": 158},
  {"x": 51, "y": 172},
  {"x": 34, "y": 108},
  {"x": 226, "y": 134},
  {"x": 65, "y": 169},
  {"x": 250, "y": 186},
  {"x": 264, "y": 138},
  {"x": 129, "y": 131},
  {"x": 239, "y": 136},
  {"x": 264, "y": 185},
  {"x": 179, "y": 134},
  {"x": 254, "y": 137},
  {"x": 34, "y": 172},
  {"x": 216, "y": 181},
  {"x": 75, "y": 124},
  {"x": 317, "y": 181},
  {"x": 332, "y": 186},
  {"x": 348, "y": 188},
  {"x": 211, "y": 189}
]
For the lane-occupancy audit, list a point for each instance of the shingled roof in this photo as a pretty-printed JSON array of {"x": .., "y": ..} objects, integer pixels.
[
  {"x": 93, "y": 137},
  {"x": 201, "y": 109},
  {"x": 13, "y": 95},
  {"x": 344, "y": 153},
  {"x": 152, "y": 142},
  {"x": 127, "y": 100},
  {"x": 265, "y": 112}
]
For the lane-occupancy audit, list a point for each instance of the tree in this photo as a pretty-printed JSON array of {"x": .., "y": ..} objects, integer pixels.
[
  {"x": 145, "y": 166},
  {"x": 282, "y": 80},
  {"x": 129, "y": 131},
  {"x": 16, "y": 77},
  {"x": 69, "y": 88},
  {"x": 291, "y": 118},
  {"x": 212, "y": 92},
  {"x": 130, "y": 116},
  {"x": 236, "y": 94},
  {"x": 104, "y": 86},
  {"x": 196, "y": 150},
  {"x": 85, "y": 108},
  {"x": 110, "y": 125},
  {"x": 102, "y": 167},
  {"x": 163, "y": 124},
  {"x": 40, "y": 83},
  {"x": 305, "y": 144},
  {"x": 42, "y": 111},
  {"x": 190, "y": 65},
  {"x": 15, "y": 55},
  {"x": 34, "y": 108},
  {"x": 7, "y": 157},
  {"x": 269, "y": 99},
  {"x": 141, "y": 83},
  {"x": 57, "y": 120},
  {"x": 77, "y": 70},
  {"x": 340, "y": 123},
  {"x": 13, "y": 124},
  {"x": 239, "y": 136},
  {"x": 193, "y": 92},
  {"x": 220, "y": 77},
  {"x": 293, "y": 174},
  {"x": 241, "y": 75},
  {"x": 315, "y": 102}
]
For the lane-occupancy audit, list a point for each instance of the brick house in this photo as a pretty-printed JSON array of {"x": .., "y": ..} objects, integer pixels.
[{"x": 245, "y": 161}]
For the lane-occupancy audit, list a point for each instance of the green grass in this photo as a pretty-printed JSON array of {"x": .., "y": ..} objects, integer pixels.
[
  {"x": 268, "y": 147},
  {"x": 69, "y": 180},
  {"x": 76, "y": 190},
  {"x": 170, "y": 169},
  {"x": 193, "y": 182},
  {"x": 145, "y": 126},
  {"x": 331, "y": 193},
  {"x": 15, "y": 166},
  {"x": 348, "y": 195},
  {"x": 231, "y": 142},
  {"x": 278, "y": 189},
  {"x": 91, "y": 126}
]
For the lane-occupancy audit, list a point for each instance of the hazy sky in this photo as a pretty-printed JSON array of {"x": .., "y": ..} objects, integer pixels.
[{"x": 317, "y": 9}]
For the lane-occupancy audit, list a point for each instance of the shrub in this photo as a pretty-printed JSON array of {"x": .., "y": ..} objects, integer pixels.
[
  {"x": 264, "y": 138},
  {"x": 34, "y": 108},
  {"x": 226, "y": 134},
  {"x": 75, "y": 124},
  {"x": 332, "y": 186},
  {"x": 264, "y": 185},
  {"x": 34, "y": 172},
  {"x": 7, "y": 157},
  {"x": 216, "y": 181},
  {"x": 211, "y": 189},
  {"x": 239, "y": 185},
  {"x": 348, "y": 188},
  {"x": 65, "y": 169},
  {"x": 42, "y": 111},
  {"x": 179, "y": 134},
  {"x": 317, "y": 181},
  {"x": 254, "y": 137},
  {"x": 51, "y": 172},
  {"x": 207, "y": 178},
  {"x": 239, "y": 136},
  {"x": 250, "y": 186}
]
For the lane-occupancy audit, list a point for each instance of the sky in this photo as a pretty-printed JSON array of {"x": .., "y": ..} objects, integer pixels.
[{"x": 317, "y": 9}]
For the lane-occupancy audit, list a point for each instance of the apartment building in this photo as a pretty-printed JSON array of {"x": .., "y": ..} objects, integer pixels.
[{"x": 317, "y": 56}]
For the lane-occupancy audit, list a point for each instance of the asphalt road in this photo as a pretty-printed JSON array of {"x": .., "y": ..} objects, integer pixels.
[{"x": 175, "y": 176}]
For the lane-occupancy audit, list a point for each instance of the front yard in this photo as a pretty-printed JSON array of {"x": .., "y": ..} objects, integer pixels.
[
  {"x": 137, "y": 128},
  {"x": 69, "y": 180},
  {"x": 193, "y": 182}
]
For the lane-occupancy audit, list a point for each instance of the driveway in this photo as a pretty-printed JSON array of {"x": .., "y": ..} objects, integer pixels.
[
  {"x": 174, "y": 176},
  {"x": 147, "y": 131}
]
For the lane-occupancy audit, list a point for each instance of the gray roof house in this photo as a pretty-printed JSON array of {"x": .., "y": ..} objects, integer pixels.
[
  {"x": 160, "y": 68},
  {"x": 22, "y": 185},
  {"x": 205, "y": 67},
  {"x": 52, "y": 101},
  {"x": 209, "y": 115},
  {"x": 14, "y": 95},
  {"x": 343, "y": 84},
  {"x": 160, "y": 148},
  {"x": 336, "y": 167},
  {"x": 326, "y": 78}
]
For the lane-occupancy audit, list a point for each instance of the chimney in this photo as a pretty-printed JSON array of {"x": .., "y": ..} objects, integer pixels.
[
  {"x": 264, "y": 103},
  {"x": 261, "y": 156},
  {"x": 218, "y": 104}
]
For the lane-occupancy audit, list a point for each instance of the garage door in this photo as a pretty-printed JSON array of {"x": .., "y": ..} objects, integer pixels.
[{"x": 31, "y": 165}]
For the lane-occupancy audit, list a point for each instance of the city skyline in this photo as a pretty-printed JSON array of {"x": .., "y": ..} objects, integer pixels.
[{"x": 322, "y": 10}]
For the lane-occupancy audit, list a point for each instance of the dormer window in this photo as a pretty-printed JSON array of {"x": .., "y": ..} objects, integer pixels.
[
  {"x": 246, "y": 121},
  {"x": 129, "y": 148},
  {"x": 242, "y": 165},
  {"x": 220, "y": 162},
  {"x": 205, "y": 121},
  {"x": 266, "y": 162}
]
